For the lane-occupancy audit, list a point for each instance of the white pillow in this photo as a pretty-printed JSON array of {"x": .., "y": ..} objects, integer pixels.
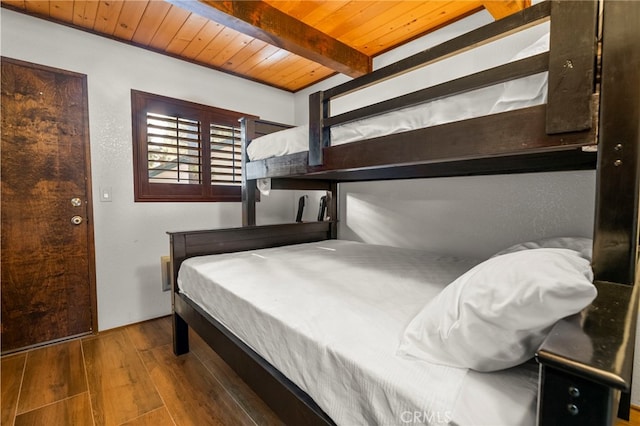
[
  {"x": 497, "y": 314},
  {"x": 584, "y": 246}
]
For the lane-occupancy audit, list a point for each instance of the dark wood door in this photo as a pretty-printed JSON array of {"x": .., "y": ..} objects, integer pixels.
[{"x": 48, "y": 272}]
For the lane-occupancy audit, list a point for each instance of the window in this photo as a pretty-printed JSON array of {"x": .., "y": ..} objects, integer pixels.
[{"x": 185, "y": 151}]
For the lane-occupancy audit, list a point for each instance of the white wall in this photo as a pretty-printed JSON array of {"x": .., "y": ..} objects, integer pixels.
[
  {"x": 130, "y": 237},
  {"x": 468, "y": 216}
]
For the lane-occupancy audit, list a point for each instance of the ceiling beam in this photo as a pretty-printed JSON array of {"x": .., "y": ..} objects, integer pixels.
[
  {"x": 263, "y": 21},
  {"x": 501, "y": 8}
]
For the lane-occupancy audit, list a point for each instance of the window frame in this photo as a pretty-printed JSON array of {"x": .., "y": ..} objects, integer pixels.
[{"x": 205, "y": 191}]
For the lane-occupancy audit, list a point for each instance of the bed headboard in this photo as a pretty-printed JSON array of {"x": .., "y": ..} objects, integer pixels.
[{"x": 186, "y": 244}]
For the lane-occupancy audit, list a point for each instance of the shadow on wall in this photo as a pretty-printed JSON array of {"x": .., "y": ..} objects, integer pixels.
[
  {"x": 398, "y": 222},
  {"x": 468, "y": 216}
]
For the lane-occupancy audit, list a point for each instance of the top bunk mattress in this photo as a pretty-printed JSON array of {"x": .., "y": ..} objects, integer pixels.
[
  {"x": 515, "y": 94},
  {"x": 329, "y": 316}
]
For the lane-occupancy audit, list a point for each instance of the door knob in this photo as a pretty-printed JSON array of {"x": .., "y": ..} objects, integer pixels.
[{"x": 76, "y": 220}]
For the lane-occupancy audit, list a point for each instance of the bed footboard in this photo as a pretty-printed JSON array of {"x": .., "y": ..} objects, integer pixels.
[{"x": 199, "y": 243}]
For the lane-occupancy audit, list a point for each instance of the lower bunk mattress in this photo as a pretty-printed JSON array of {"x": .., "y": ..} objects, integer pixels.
[{"x": 330, "y": 316}]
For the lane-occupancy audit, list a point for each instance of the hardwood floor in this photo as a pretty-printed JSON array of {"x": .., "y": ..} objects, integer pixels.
[
  {"x": 127, "y": 376},
  {"x": 130, "y": 376},
  {"x": 634, "y": 418}
]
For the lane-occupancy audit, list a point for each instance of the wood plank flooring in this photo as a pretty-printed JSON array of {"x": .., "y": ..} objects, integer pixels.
[
  {"x": 128, "y": 376},
  {"x": 634, "y": 419}
]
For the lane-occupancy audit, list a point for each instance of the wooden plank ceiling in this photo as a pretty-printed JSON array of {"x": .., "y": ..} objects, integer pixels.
[{"x": 285, "y": 44}]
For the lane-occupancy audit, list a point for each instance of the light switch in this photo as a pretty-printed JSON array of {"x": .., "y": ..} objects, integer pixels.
[{"x": 105, "y": 193}]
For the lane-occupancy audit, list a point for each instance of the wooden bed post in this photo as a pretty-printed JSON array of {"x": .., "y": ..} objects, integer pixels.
[
  {"x": 566, "y": 398},
  {"x": 571, "y": 66},
  {"x": 247, "y": 134},
  {"x": 333, "y": 211},
  {"x": 616, "y": 223},
  {"x": 615, "y": 250},
  {"x": 318, "y": 110},
  {"x": 178, "y": 251}
]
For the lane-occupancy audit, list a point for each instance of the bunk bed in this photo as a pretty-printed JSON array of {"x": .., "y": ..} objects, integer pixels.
[{"x": 590, "y": 120}]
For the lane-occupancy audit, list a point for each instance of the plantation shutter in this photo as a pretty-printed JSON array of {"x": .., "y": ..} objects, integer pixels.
[
  {"x": 226, "y": 160},
  {"x": 174, "y": 149}
]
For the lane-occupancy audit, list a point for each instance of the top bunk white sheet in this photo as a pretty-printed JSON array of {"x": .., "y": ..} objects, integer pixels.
[
  {"x": 520, "y": 93},
  {"x": 329, "y": 316}
]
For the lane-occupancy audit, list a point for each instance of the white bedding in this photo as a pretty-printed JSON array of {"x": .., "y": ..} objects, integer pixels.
[
  {"x": 329, "y": 315},
  {"x": 520, "y": 93}
]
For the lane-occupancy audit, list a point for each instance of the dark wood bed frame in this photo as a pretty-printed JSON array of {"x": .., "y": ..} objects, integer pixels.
[{"x": 593, "y": 101}]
